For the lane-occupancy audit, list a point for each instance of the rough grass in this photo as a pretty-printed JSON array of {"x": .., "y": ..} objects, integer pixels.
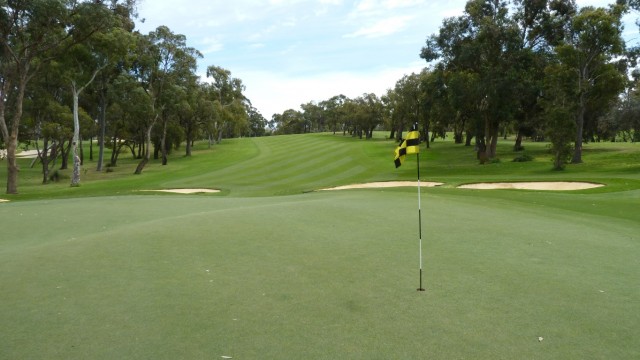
[{"x": 108, "y": 273}]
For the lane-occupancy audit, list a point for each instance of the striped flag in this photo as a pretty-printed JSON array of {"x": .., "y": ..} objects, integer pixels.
[{"x": 410, "y": 145}]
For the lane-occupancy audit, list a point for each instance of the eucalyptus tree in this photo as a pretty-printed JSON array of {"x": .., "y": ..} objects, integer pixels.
[
  {"x": 501, "y": 49},
  {"x": 186, "y": 106},
  {"x": 179, "y": 63},
  {"x": 334, "y": 111},
  {"x": 481, "y": 41},
  {"x": 129, "y": 103},
  {"x": 85, "y": 59},
  {"x": 122, "y": 50},
  {"x": 257, "y": 123},
  {"x": 542, "y": 25},
  {"x": 30, "y": 32},
  {"x": 589, "y": 53},
  {"x": 231, "y": 103},
  {"x": 163, "y": 60},
  {"x": 314, "y": 115},
  {"x": 289, "y": 122},
  {"x": 56, "y": 130},
  {"x": 409, "y": 103}
]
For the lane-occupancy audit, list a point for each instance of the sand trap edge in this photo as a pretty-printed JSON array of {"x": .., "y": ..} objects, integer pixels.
[
  {"x": 384, "y": 184},
  {"x": 186, "y": 191},
  {"x": 533, "y": 185}
]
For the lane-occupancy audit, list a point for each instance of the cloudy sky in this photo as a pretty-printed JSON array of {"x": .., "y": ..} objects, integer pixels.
[{"x": 290, "y": 52}]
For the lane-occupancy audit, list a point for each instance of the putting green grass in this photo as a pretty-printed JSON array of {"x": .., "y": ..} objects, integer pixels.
[
  {"x": 316, "y": 276},
  {"x": 269, "y": 270}
]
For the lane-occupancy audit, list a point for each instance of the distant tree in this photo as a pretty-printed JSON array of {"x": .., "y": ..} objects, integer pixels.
[
  {"x": 334, "y": 111},
  {"x": 257, "y": 123},
  {"x": 84, "y": 60},
  {"x": 588, "y": 52},
  {"x": 231, "y": 104},
  {"x": 31, "y": 34}
]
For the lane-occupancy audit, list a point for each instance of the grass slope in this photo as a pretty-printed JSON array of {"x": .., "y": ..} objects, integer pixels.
[
  {"x": 284, "y": 165},
  {"x": 249, "y": 274}
]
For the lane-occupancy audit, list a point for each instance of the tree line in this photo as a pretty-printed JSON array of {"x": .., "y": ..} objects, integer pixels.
[
  {"x": 75, "y": 70},
  {"x": 542, "y": 69}
]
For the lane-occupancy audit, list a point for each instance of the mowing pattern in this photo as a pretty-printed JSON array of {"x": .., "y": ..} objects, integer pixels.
[{"x": 295, "y": 164}]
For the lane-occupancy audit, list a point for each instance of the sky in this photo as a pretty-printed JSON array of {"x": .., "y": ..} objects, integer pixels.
[{"x": 291, "y": 52}]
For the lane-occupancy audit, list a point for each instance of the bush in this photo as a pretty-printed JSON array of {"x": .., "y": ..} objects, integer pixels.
[{"x": 523, "y": 158}]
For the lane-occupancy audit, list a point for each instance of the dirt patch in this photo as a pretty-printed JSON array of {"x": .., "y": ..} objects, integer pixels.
[
  {"x": 384, "y": 184},
  {"x": 541, "y": 185},
  {"x": 187, "y": 191}
]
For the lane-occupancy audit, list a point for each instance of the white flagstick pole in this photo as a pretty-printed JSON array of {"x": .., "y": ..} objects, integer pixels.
[{"x": 419, "y": 221}]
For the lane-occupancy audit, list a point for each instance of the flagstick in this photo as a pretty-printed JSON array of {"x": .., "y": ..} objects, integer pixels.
[{"x": 419, "y": 221}]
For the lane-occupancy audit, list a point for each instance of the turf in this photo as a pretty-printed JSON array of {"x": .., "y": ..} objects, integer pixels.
[{"x": 268, "y": 270}]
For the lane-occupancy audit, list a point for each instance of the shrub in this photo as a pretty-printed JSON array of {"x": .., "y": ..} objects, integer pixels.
[{"x": 523, "y": 158}]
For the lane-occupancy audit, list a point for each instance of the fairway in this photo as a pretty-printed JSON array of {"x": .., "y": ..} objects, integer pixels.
[{"x": 277, "y": 272}]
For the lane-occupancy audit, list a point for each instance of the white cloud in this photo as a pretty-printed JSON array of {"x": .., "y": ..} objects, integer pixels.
[
  {"x": 211, "y": 45},
  {"x": 273, "y": 93},
  {"x": 383, "y": 27}
]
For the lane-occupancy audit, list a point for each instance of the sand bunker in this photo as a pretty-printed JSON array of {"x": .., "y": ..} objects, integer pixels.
[
  {"x": 3, "y": 200},
  {"x": 187, "y": 191},
  {"x": 385, "y": 184},
  {"x": 551, "y": 185},
  {"x": 27, "y": 154}
]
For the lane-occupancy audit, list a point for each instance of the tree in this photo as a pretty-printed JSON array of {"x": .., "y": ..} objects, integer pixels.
[
  {"x": 483, "y": 41},
  {"x": 30, "y": 32},
  {"x": 334, "y": 111},
  {"x": 122, "y": 46},
  {"x": 231, "y": 110},
  {"x": 559, "y": 106},
  {"x": 588, "y": 52},
  {"x": 163, "y": 61}
]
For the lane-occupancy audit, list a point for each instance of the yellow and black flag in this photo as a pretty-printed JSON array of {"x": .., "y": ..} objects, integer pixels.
[{"x": 408, "y": 146}]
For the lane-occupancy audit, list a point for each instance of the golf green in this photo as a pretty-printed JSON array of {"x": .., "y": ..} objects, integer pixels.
[{"x": 511, "y": 274}]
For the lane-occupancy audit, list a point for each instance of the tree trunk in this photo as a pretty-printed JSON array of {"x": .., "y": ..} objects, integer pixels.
[
  {"x": 468, "y": 138},
  {"x": 103, "y": 129},
  {"x": 493, "y": 147},
  {"x": 518, "y": 144},
  {"x": 458, "y": 137},
  {"x": 426, "y": 134},
  {"x": 145, "y": 158},
  {"x": 45, "y": 161},
  {"x": 114, "y": 152},
  {"x": 11, "y": 139},
  {"x": 75, "y": 178},
  {"x": 163, "y": 142},
  {"x": 189, "y": 142},
  {"x": 577, "y": 152},
  {"x": 65, "y": 154},
  {"x": 491, "y": 138},
  {"x": 12, "y": 164}
]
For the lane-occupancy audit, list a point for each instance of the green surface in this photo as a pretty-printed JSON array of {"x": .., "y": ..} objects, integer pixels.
[{"x": 105, "y": 272}]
